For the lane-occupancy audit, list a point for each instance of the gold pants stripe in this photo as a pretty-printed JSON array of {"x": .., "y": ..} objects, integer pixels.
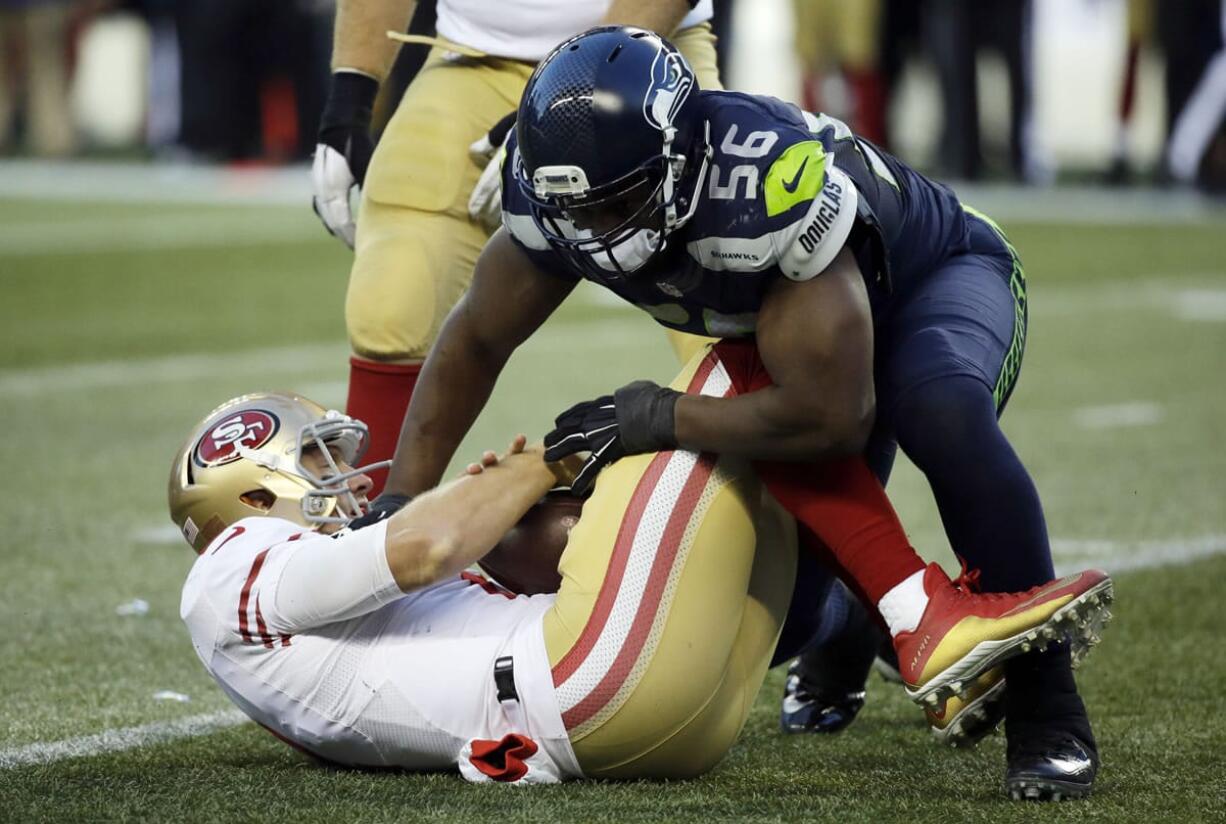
[{"x": 667, "y": 615}]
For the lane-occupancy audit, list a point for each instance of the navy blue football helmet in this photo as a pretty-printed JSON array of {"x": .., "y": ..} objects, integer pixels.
[{"x": 611, "y": 154}]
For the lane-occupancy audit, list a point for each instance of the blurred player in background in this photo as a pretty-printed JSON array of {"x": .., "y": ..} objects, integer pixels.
[
  {"x": 35, "y": 72},
  {"x": 1194, "y": 36},
  {"x": 419, "y": 231},
  {"x": 839, "y": 48}
]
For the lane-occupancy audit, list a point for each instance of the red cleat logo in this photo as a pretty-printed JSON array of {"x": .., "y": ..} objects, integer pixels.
[{"x": 251, "y": 428}]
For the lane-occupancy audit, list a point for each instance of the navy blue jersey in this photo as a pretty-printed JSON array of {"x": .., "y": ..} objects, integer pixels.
[{"x": 785, "y": 192}]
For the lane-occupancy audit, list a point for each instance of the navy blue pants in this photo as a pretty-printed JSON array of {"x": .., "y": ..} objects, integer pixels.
[{"x": 947, "y": 355}]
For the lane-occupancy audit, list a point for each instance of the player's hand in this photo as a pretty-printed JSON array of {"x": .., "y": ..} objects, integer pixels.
[
  {"x": 636, "y": 418},
  {"x": 343, "y": 151},
  {"x": 485, "y": 202},
  {"x": 380, "y": 509},
  {"x": 490, "y": 458}
]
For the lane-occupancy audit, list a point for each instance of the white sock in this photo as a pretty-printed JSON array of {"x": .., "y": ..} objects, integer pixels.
[{"x": 904, "y": 605}]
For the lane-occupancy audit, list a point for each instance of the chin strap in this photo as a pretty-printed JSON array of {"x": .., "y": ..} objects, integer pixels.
[{"x": 671, "y": 221}]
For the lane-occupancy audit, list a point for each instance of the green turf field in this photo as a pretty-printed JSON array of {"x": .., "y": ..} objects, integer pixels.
[{"x": 124, "y": 323}]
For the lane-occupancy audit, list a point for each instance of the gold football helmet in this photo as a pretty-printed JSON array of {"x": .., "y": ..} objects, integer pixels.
[{"x": 245, "y": 458}]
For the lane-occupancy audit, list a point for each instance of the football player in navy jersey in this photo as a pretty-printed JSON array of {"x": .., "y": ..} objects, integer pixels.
[{"x": 884, "y": 311}]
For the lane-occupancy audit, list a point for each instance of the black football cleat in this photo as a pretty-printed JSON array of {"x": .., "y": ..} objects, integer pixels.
[
  {"x": 1052, "y": 766},
  {"x": 809, "y": 708}
]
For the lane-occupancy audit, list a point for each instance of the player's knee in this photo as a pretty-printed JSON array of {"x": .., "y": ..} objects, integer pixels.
[
  {"x": 390, "y": 332},
  {"x": 390, "y": 315},
  {"x": 944, "y": 417}
]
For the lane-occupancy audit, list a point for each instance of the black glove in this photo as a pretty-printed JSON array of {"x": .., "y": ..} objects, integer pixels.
[
  {"x": 345, "y": 122},
  {"x": 343, "y": 151},
  {"x": 380, "y": 509},
  {"x": 636, "y": 418}
]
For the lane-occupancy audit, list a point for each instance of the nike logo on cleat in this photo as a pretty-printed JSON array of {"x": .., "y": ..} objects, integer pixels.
[
  {"x": 790, "y": 186},
  {"x": 915, "y": 659}
]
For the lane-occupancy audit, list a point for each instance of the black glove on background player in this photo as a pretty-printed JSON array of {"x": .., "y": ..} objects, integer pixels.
[
  {"x": 635, "y": 419},
  {"x": 343, "y": 150}
]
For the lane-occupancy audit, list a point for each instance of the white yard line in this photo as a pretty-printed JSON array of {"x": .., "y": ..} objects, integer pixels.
[
  {"x": 1116, "y": 415},
  {"x": 117, "y": 182},
  {"x": 1207, "y": 305},
  {"x": 318, "y": 361},
  {"x": 1124, "y": 556},
  {"x": 157, "y": 534},
  {"x": 1192, "y": 297},
  {"x": 104, "y": 233},
  {"x": 287, "y": 360},
  {"x": 117, "y": 740},
  {"x": 154, "y": 183}
]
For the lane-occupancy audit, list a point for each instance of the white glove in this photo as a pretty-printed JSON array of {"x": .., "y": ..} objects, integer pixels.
[
  {"x": 485, "y": 202},
  {"x": 333, "y": 181}
]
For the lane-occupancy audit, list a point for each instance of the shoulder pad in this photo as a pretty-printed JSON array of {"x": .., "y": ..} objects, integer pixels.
[
  {"x": 795, "y": 177},
  {"x": 516, "y": 215},
  {"x": 816, "y": 238}
]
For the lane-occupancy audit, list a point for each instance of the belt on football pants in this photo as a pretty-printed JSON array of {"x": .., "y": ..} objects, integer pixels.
[
  {"x": 427, "y": 40},
  {"x": 508, "y": 696}
]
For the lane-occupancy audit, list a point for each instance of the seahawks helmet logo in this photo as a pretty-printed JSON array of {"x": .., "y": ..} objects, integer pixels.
[{"x": 671, "y": 82}]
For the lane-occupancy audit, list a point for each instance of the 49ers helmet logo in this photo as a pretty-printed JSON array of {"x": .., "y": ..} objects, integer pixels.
[{"x": 251, "y": 428}]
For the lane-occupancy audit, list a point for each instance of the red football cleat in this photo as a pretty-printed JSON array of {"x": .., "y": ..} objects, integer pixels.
[{"x": 962, "y": 634}]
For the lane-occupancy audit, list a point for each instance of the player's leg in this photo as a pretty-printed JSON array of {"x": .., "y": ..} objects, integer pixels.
[
  {"x": 945, "y": 636},
  {"x": 416, "y": 246},
  {"x": 955, "y": 349},
  {"x": 825, "y": 688},
  {"x": 667, "y": 616}
]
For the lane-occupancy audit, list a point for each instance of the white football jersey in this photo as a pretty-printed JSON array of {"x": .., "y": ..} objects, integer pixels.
[
  {"x": 528, "y": 29},
  {"x": 310, "y": 636}
]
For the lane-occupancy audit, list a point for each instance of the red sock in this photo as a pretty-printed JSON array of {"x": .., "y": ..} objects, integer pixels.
[
  {"x": 844, "y": 505},
  {"x": 379, "y": 395},
  {"x": 840, "y": 501}
]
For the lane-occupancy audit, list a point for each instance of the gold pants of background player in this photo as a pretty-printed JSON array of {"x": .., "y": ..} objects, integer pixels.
[
  {"x": 675, "y": 584},
  {"x": 416, "y": 245}
]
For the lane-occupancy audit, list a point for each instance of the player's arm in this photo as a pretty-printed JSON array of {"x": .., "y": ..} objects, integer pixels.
[
  {"x": 359, "y": 36},
  {"x": 321, "y": 580},
  {"x": 362, "y": 56},
  {"x": 508, "y": 300},
  {"x": 815, "y": 338},
  {"x": 444, "y": 531},
  {"x": 658, "y": 15}
]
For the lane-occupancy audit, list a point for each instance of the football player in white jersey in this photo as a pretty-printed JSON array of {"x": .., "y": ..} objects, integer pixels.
[{"x": 375, "y": 647}]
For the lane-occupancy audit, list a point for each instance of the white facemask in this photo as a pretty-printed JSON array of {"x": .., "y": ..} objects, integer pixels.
[{"x": 631, "y": 254}]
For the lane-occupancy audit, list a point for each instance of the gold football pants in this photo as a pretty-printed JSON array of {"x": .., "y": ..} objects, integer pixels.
[
  {"x": 416, "y": 245},
  {"x": 675, "y": 584},
  {"x": 833, "y": 33}
]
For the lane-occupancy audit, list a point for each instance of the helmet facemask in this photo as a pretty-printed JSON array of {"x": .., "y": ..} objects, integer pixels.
[
  {"x": 321, "y": 494},
  {"x": 648, "y": 201}
]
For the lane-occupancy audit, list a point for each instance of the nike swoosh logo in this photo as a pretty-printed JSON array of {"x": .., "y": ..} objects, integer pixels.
[{"x": 790, "y": 186}]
